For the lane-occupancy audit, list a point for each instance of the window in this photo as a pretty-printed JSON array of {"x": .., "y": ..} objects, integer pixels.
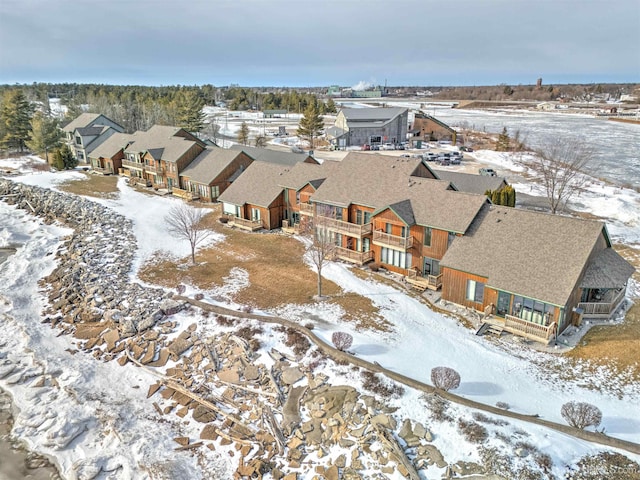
[
  {"x": 359, "y": 217},
  {"x": 78, "y": 140},
  {"x": 387, "y": 228},
  {"x": 367, "y": 217},
  {"x": 215, "y": 192},
  {"x": 255, "y": 214},
  {"x": 366, "y": 244},
  {"x": 297, "y": 197},
  {"x": 394, "y": 257},
  {"x": 475, "y": 291},
  {"x": 403, "y": 232},
  {"x": 427, "y": 236}
]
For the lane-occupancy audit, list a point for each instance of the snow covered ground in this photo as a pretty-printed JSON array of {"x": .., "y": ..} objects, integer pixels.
[{"x": 119, "y": 422}]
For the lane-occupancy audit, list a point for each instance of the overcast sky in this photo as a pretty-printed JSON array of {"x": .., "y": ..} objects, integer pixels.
[{"x": 319, "y": 42}]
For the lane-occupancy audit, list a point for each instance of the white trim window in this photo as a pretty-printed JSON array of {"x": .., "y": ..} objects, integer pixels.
[{"x": 475, "y": 291}]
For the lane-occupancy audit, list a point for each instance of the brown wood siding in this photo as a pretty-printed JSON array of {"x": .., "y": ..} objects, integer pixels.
[
  {"x": 439, "y": 244},
  {"x": 454, "y": 288},
  {"x": 388, "y": 216},
  {"x": 353, "y": 209}
]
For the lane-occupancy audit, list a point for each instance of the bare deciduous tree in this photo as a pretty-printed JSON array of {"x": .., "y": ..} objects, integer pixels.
[
  {"x": 323, "y": 247},
  {"x": 561, "y": 164},
  {"x": 342, "y": 340},
  {"x": 581, "y": 414},
  {"x": 445, "y": 378},
  {"x": 187, "y": 223}
]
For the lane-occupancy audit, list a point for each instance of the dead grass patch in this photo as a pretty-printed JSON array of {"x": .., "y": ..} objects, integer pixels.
[
  {"x": 99, "y": 186},
  {"x": 277, "y": 274}
]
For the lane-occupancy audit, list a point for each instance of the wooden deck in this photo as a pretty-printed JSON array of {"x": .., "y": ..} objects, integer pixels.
[
  {"x": 352, "y": 256},
  {"x": 394, "y": 241},
  {"x": 522, "y": 328},
  {"x": 185, "y": 194},
  {"x": 432, "y": 282},
  {"x": 290, "y": 229},
  {"x": 244, "y": 224}
]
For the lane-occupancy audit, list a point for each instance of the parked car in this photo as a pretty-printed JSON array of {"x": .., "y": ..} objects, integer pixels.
[
  {"x": 430, "y": 156},
  {"x": 388, "y": 146},
  {"x": 455, "y": 160},
  {"x": 365, "y": 147},
  {"x": 375, "y": 147},
  {"x": 466, "y": 149},
  {"x": 489, "y": 172}
]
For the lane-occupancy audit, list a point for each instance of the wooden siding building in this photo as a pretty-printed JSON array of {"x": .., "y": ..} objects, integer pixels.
[
  {"x": 211, "y": 172},
  {"x": 534, "y": 271}
]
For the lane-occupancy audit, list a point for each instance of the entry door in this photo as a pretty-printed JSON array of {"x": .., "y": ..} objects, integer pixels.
[{"x": 504, "y": 299}]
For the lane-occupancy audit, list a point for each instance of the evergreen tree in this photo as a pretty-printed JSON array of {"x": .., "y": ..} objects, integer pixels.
[
  {"x": 503, "y": 143},
  {"x": 63, "y": 158},
  {"x": 311, "y": 124},
  {"x": 189, "y": 113},
  {"x": 15, "y": 117},
  {"x": 243, "y": 134},
  {"x": 45, "y": 134},
  {"x": 331, "y": 106}
]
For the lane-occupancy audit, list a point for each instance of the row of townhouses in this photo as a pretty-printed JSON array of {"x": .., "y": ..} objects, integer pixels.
[{"x": 529, "y": 273}]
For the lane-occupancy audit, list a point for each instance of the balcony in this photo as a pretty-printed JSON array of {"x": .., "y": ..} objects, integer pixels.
[
  {"x": 394, "y": 241},
  {"x": 150, "y": 168},
  {"x": 352, "y": 256},
  {"x": 291, "y": 229},
  {"x": 103, "y": 171},
  {"x": 185, "y": 194},
  {"x": 245, "y": 224},
  {"x": 345, "y": 228},
  {"x": 306, "y": 208},
  {"x": 605, "y": 307},
  {"x": 130, "y": 164}
]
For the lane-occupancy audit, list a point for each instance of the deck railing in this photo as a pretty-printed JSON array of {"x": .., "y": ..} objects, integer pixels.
[
  {"x": 187, "y": 195},
  {"x": 386, "y": 239},
  {"x": 359, "y": 258},
  {"x": 602, "y": 309},
  {"x": 245, "y": 223},
  {"x": 340, "y": 226},
  {"x": 130, "y": 164},
  {"x": 529, "y": 329},
  {"x": 306, "y": 208}
]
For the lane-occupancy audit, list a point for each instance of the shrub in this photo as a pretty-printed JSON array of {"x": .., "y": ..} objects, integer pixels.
[
  {"x": 342, "y": 340},
  {"x": 374, "y": 384},
  {"x": 199, "y": 296},
  {"x": 181, "y": 289},
  {"x": 438, "y": 407},
  {"x": 223, "y": 220},
  {"x": 224, "y": 321},
  {"x": 544, "y": 461},
  {"x": 445, "y": 378},
  {"x": 309, "y": 326},
  {"x": 297, "y": 341},
  {"x": 374, "y": 266},
  {"x": 481, "y": 417},
  {"x": 581, "y": 414},
  {"x": 503, "y": 405},
  {"x": 473, "y": 432}
]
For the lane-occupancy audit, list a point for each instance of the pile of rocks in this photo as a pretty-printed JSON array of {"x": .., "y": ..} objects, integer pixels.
[
  {"x": 276, "y": 419},
  {"x": 94, "y": 266}
]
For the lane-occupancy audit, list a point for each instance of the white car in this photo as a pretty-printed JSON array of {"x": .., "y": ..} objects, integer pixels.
[{"x": 388, "y": 146}]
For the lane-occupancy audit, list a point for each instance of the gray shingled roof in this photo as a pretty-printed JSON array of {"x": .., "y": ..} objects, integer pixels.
[
  {"x": 90, "y": 131},
  {"x": 83, "y": 120},
  {"x": 607, "y": 270},
  {"x": 259, "y": 185},
  {"x": 111, "y": 146},
  {"x": 303, "y": 173},
  {"x": 537, "y": 255},
  {"x": 372, "y": 115},
  {"x": 161, "y": 142},
  {"x": 207, "y": 166},
  {"x": 471, "y": 183},
  {"x": 380, "y": 181},
  {"x": 273, "y": 156}
]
